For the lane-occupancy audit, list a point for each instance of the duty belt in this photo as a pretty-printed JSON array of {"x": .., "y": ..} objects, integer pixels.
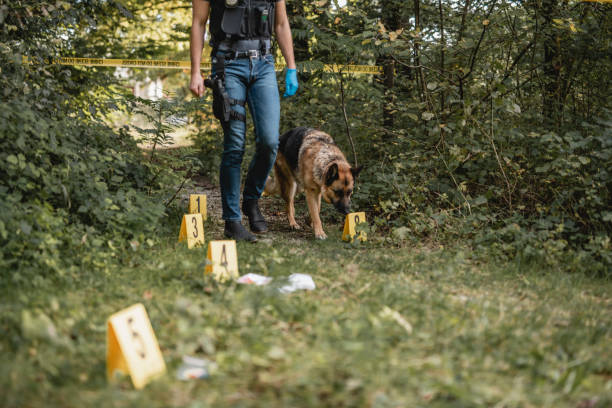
[
  {"x": 246, "y": 54},
  {"x": 244, "y": 48},
  {"x": 243, "y": 45}
]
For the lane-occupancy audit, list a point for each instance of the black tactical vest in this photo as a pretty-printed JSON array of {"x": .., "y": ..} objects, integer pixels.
[{"x": 250, "y": 19}]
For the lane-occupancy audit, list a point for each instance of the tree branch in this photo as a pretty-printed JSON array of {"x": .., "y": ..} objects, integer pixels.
[
  {"x": 475, "y": 51},
  {"x": 463, "y": 17},
  {"x": 348, "y": 131}
]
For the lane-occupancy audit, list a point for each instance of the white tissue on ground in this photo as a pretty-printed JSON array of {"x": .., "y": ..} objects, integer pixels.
[
  {"x": 254, "y": 279},
  {"x": 298, "y": 281}
]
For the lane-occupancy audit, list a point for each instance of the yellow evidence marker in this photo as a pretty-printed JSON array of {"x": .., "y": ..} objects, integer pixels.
[
  {"x": 223, "y": 260},
  {"x": 350, "y": 222},
  {"x": 197, "y": 204},
  {"x": 192, "y": 230},
  {"x": 131, "y": 346}
]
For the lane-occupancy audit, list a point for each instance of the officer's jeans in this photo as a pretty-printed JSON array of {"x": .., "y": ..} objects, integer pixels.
[{"x": 253, "y": 80}]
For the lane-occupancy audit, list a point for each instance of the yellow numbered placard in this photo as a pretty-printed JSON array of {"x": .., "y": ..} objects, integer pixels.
[
  {"x": 223, "y": 260},
  {"x": 350, "y": 222},
  {"x": 131, "y": 346},
  {"x": 197, "y": 204},
  {"x": 192, "y": 230}
]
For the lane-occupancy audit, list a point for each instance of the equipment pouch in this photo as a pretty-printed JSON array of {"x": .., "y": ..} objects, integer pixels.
[
  {"x": 232, "y": 22},
  {"x": 264, "y": 20}
]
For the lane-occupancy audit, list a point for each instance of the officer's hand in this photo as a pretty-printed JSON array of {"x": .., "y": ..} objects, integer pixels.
[
  {"x": 197, "y": 85},
  {"x": 291, "y": 83}
]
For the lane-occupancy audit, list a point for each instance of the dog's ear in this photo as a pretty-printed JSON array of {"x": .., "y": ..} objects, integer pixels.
[
  {"x": 332, "y": 174},
  {"x": 356, "y": 170}
]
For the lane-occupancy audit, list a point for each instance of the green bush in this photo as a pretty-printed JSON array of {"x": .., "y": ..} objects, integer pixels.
[
  {"x": 552, "y": 197},
  {"x": 67, "y": 182},
  {"x": 73, "y": 191}
]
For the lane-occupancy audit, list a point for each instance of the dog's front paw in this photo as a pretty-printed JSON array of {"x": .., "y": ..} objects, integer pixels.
[
  {"x": 295, "y": 226},
  {"x": 321, "y": 236}
]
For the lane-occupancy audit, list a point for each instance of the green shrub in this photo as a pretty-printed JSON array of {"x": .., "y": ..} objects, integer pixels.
[
  {"x": 64, "y": 183},
  {"x": 73, "y": 191}
]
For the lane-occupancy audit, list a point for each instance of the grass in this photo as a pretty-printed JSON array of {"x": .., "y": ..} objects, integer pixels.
[{"x": 386, "y": 327}]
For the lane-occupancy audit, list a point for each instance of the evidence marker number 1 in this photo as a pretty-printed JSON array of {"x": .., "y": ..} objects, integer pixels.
[{"x": 197, "y": 204}]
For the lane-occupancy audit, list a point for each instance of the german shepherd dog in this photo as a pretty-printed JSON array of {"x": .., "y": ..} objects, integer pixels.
[{"x": 309, "y": 159}]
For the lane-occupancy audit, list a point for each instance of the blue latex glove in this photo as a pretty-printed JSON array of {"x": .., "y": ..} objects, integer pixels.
[{"x": 291, "y": 83}]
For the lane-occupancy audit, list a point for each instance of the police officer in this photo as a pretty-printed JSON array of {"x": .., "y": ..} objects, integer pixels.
[{"x": 243, "y": 75}]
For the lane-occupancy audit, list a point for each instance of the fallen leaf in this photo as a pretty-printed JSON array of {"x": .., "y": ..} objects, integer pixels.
[{"x": 387, "y": 312}]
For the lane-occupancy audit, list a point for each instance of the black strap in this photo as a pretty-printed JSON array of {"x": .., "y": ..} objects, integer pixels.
[
  {"x": 240, "y": 102},
  {"x": 237, "y": 116},
  {"x": 219, "y": 65}
]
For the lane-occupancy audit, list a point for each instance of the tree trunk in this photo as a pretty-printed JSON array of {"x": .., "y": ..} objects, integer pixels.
[
  {"x": 391, "y": 19},
  {"x": 389, "y": 82},
  {"x": 417, "y": 51},
  {"x": 552, "y": 65},
  {"x": 442, "y": 46}
]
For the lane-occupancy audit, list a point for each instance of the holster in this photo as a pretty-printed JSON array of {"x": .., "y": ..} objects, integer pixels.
[{"x": 222, "y": 103}]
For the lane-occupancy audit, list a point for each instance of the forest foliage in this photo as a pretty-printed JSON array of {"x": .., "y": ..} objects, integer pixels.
[{"x": 491, "y": 124}]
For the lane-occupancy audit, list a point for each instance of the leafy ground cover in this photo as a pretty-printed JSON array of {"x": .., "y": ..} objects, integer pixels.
[{"x": 386, "y": 327}]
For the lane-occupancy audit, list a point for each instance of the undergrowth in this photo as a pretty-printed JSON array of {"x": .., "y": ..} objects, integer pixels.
[{"x": 409, "y": 326}]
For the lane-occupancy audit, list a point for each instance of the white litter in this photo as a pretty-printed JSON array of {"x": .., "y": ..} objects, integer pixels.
[
  {"x": 254, "y": 279},
  {"x": 298, "y": 281},
  {"x": 193, "y": 368}
]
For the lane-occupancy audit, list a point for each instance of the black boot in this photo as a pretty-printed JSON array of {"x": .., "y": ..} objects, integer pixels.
[
  {"x": 257, "y": 222},
  {"x": 235, "y": 230}
]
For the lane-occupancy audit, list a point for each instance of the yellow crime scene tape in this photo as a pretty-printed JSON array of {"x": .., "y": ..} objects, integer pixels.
[{"x": 204, "y": 65}]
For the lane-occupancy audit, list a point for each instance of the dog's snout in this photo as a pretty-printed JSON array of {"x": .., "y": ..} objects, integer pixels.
[{"x": 342, "y": 207}]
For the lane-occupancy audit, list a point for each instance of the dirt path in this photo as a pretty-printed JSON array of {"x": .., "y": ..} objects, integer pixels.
[{"x": 273, "y": 208}]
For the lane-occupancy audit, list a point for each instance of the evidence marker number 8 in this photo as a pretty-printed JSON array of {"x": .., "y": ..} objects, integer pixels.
[{"x": 350, "y": 222}]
